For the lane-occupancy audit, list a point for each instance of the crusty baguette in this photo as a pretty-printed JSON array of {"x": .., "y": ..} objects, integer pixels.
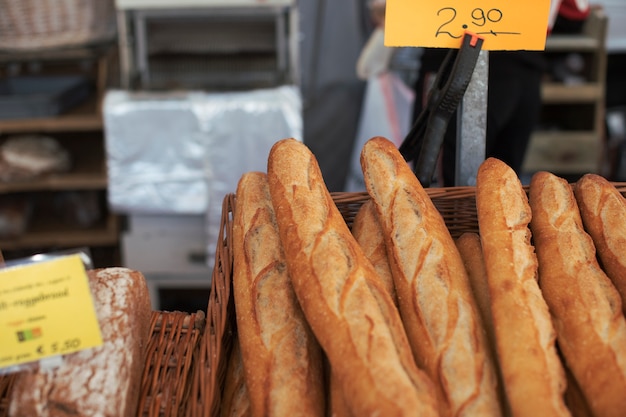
[
  {"x": 281, "y": 358},
  {"x": 603, "y": 210},
  {"x": 345, "y": 302},
  {"x": 471, "y": 252},
  {"x": 532, "y": 372},
  {"x": 104, "y": 381},
  {"x": 338, "y": 406},
  {"x": 435, "y": 299},
  {"x": 235, "y": 400},
  {"x": 585, "y": 306},
  {"x": 574, "y": 398},
  {"x": 369, "y": 234}
]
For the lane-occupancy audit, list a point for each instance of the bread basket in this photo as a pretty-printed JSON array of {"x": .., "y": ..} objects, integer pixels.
[{"x": 456, "y": 204}]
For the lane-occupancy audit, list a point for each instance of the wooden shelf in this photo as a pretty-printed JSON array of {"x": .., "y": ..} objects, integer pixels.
[
  {"x": 571, "y": 43},
  {"x": 43, "y": 233},
  {"x": 564, "y": 152},
  {"x": 86, "y": 117},
  {"x": 577, "y": 109},
  {"x": 88, "y": 170},
  {"x": 80, "y": 132},
  {"x": 575, "y": 93}
]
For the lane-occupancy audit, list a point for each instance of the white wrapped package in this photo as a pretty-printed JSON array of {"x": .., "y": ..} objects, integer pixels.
[
  {"x": 174, "y": 152},
  {"x": 182, "y": 152}
]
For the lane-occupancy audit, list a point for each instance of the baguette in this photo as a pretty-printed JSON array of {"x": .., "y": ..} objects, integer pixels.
[
  {"x": 533, "y": 375},
  {"x": 471, "y": 252},
  {"x": 281, "y": 358},
  {"x": 338, "y": 406},
  {"x": 435, "y": 299},
  {"x": 235, "y": 399},
  {"x": 103, "y": 381},
  {"x": 342, "y": 297},
  {"x": 585, "y": 306},
  {"x": 603, "y": 210},
  {"x": 369, "y": 234}
]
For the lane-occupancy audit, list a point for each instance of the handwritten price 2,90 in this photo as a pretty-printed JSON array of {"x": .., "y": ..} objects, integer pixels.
[{"x": 479, "y": 18}]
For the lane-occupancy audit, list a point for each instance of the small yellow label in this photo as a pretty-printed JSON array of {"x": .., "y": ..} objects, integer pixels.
[
  {"x": 503, "y": 24},
  {"x": 46, "y": 309}
]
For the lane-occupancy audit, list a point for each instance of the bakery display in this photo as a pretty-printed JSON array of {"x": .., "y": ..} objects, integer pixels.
[
  {"x": 103, "y": 381},
  {"x": 376, "y": 303}
]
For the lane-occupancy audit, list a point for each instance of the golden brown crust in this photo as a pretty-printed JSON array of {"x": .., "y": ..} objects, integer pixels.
[
  {"x": 368, "y": 233},
  {"x": 437, "y": 307},
  {"x": 585, "y": 306},
  {"x": 525, "y": 338},
  {"x": 351, "y": 314},
  {"x": 338, "y": 406},
  {"x": 281, "y": 358},
  {"x": 123, "y": 309},
  {"x": 574, "y": 397},
  {"x": 235, "y": 399},
  {"x": 471, "y": 252},
  {"x": 603, "y": 210}
]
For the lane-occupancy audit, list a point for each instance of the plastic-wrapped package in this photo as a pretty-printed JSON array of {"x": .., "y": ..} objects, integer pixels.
[{"x": 182, "y": 152}]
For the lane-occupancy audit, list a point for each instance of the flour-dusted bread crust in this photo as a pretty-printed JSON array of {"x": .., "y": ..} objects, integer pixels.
[
  {"x": 532, "y": 372},
  {"x": 281, "y": 358},
  {"x": 435, "y": 299},
  {"x": 103, "y": 381},
  {"x": 585, "y": 306},
  {"x": 370, "y": 235},
  {"x": 343, "y": 299},
  {"x": 603, "y": 211}
]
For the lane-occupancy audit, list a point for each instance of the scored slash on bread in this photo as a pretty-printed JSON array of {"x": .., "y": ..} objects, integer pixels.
[
  {"x": 281, "y": 358},
  {"x": 343, "y": 299},
  {"x": 603, "y": 211},
  {"x": 435, "y": 299},
  {"x": 532, "y": 372},
  {"x": 585, "y": 306}
]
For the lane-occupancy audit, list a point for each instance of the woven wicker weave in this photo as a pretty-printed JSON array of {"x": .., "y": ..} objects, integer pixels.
[
  {"x": 457, "y": 206},
  {"x": 44, "y": 24},
  {"x": 170, "y": 361}
]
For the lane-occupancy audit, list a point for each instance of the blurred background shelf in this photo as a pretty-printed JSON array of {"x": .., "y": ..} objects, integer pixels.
[
  {"x": 80, "y": 191},
  {"x": 571, "y": 138}
]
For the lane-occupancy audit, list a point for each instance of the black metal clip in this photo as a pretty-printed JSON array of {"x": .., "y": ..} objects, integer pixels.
[{"x": 423, "y": 142}]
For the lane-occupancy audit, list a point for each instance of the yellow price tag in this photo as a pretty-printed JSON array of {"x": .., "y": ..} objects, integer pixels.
[
  {"x": 503, "y": 24},
  {"x": 46, "y": 309}
]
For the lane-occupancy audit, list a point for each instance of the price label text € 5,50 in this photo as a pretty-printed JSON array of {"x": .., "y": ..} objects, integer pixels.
[{"x": 503, "y": 24}]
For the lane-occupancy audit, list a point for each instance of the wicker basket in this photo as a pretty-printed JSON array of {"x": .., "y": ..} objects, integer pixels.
[
  {"x": 457, "y": 205},
  {"x": 45, "y": 24},
  {"x": 169, "y": 368}
]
